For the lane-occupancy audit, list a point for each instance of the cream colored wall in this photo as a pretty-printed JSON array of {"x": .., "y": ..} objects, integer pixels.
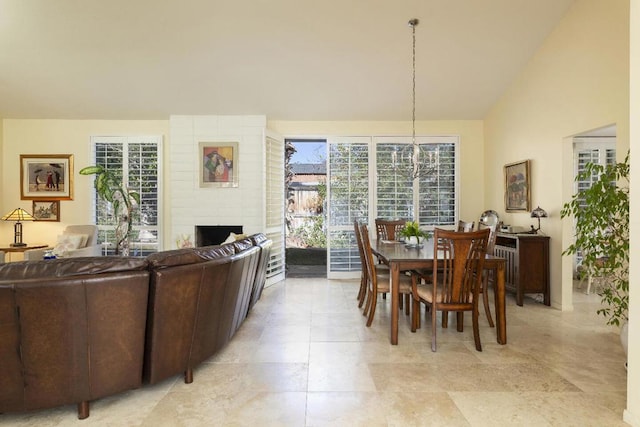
[
  {"x": 2, "y": 206},
  {"x": 472, "y": 195},
  {"x": 632, "y": 413},
  {"x": 577, "y": 81},
  {"x": 58, "y": 137}
]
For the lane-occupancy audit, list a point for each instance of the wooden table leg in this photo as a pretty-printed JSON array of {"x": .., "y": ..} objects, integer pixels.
[
  {"x": 500, "y": 294},
  {"x": 394, "y": 278}
]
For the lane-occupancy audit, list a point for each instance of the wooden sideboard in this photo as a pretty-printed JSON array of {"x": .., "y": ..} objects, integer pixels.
[{"x": 527, "y": 266}]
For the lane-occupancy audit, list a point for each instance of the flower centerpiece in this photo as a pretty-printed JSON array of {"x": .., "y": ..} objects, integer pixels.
[{"x": 412, "y": 233}]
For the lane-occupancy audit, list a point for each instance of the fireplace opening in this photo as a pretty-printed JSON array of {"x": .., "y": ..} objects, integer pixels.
[{"x": 207, "y": 235}]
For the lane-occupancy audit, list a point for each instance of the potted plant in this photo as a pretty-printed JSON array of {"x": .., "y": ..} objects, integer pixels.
[
  {"x": 412, "y": 233},
  {"x": 601, "y": 214},
  {"x": 123, "y": 200}
]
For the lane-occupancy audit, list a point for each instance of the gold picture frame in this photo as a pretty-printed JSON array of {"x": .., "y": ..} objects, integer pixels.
[
  {"x": 218, "y": 164},
  {"x": 46, "y": 176},
  {"x": 46, "y": 210},
  {"x": 517, "y": 186}
]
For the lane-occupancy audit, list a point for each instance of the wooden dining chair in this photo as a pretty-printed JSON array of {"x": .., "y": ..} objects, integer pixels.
[
  {"x": 464, "y": 226},
  {"x": 364, "y": 274},
  {"x": 389, "y": 229},
  {"x": 458, "y": 260},
  {"x": 378, "y": 281},
  {"x": 488, "y": 276}
]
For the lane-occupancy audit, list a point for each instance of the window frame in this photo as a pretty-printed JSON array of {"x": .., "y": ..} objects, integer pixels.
[{"x": 108, "y": 227}]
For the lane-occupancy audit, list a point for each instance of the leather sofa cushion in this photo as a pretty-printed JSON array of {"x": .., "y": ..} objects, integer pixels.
[{"x": 70, "y": 267}]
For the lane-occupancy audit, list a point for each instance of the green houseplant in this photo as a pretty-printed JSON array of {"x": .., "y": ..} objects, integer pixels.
[
  {"x": 124, "y": 202},
  {"x": 412, "y": 230},
  {"x": 601, "y": 214}
]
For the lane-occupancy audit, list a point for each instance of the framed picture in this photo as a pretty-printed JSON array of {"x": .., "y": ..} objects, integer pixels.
[
  {"x": 46, "y": 176},
  {"x": 46, "y": 210},
  {"x": 517, "y": 187},
  {"x": 218, "y": 164}
]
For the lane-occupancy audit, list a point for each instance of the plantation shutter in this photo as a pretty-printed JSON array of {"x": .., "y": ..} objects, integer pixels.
[
  {"x": 137, "y": 162},
  {"x": 275, "y": 205},
  {"x": 432, "y": 199},
  {"x": 348, "y": 200}
]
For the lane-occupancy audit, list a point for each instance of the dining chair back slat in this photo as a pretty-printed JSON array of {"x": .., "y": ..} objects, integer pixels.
[{"x": 389, "y": 229}]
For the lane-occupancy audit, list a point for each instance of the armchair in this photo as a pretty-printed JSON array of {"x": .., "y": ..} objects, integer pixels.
[{"x": 75, "y": 241}]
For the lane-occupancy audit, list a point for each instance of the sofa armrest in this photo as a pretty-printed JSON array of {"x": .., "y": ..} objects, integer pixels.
[
  {"x": 95, "y": 250},
  {"x": 35, "y": 254}
]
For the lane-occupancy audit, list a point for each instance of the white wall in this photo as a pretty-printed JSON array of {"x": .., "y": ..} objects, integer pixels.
[
  {"x": 57, "y": 137},
  {"x": 632, "y": 413},
  {"x": 577, "y": 81},
  {"x": 191, "y": 205}
]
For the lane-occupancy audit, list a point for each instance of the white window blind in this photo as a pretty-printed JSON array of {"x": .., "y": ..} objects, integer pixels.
[
  {"x": 275, "y": 204},
  {"x": 599, "y": 150},
  {"x": 431, "y": 199},
  {"x": 371, "y": 178},
  {"x": 348, "y": 199},
  {"x": 137, "y": 162}
]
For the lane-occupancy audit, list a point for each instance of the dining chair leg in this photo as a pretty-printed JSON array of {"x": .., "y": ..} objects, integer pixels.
[
  {"x": 400, "y": 303},
  {"x": 367, "y": 304},
  {"x": 433, "y": 328},
  {"x": 372, "y": 308},
  {"x": 485, "y": 300},
  {"x": 476, "y": 328},
  {"x": 445, "y": 319},
  {"x": 460, "y": 321},
  {"x": 415, "y": 315},
  {"x": 407, "y": 302},
  {"x": 362, "y": 292}
]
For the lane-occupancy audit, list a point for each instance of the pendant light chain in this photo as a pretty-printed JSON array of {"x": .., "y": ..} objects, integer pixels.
[
  {"x": 413, "y": 24},
  {"x": 415, "y": 172}
]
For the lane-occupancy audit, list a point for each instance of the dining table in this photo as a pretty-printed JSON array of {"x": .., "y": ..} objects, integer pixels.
[{"x": 402, "y": 257}]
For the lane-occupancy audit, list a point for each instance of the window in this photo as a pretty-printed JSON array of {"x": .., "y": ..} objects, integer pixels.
[
  {"x": 275, "y": 207},
  {"x": 600, "y": 150},
  {"x": 432, "y": 198},
  {"x": 137, "y": 160},
  {"x": 348, "y": 196},
  {"x": 371, "y": 178}
]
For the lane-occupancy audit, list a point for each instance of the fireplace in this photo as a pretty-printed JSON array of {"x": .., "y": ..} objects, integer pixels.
[{"x": 207, "y": 235}]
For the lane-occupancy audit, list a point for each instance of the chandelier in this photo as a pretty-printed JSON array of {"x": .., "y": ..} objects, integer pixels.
[{"x": 420, "y": 162}]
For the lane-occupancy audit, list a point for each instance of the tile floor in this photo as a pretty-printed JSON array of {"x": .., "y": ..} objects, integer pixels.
[{"x": 304, "y": 357}]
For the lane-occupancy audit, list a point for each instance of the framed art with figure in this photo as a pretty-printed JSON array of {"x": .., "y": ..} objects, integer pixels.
[
  {"x": 46, "y": 176},
  {"x": 517, "y": 187},
  {"x": 46, "y": 210},
  {"x": 218, "y": 164}
]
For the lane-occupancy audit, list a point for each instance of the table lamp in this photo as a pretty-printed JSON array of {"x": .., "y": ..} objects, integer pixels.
[
  {"x": 538, "y": 213},
  {"x": 18, "y": 215}
]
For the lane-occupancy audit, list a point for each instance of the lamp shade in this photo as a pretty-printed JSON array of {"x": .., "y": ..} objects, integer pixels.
[
  {"x": 18, "y": 215},
  {"x": 538, "y": 213}
]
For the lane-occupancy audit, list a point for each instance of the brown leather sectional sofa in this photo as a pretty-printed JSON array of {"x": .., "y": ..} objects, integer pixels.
[{"x": 78, "y": 329}]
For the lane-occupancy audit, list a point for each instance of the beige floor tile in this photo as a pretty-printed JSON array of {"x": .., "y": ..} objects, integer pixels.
[
  {"x": 304, "y": 357},
  {"x": 340, "y": 377}
]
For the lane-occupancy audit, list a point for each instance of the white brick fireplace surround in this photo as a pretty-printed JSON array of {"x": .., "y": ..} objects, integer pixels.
[{"x": 192, "y": 205}]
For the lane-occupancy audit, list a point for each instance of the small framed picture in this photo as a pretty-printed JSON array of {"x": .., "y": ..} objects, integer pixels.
[
  {"x": 46, "y": 210},
  {"x": 218, "y": 164},
  {"x": 46, "y": 176},
  {"x": 517, "y": 187}
]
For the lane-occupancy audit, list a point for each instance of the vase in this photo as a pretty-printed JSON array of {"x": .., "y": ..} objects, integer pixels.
[{"x": 413, "y": 240}]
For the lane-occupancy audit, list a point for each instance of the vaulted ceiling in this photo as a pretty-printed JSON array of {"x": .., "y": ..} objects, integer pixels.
[{"x": 287, "y": 59}]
